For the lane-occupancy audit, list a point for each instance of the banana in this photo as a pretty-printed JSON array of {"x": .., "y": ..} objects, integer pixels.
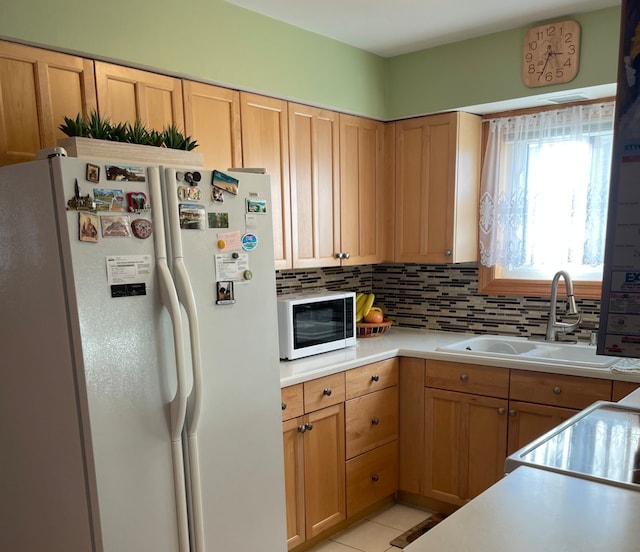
[
  {"x": 368, "y": 304},
  {"x": 360, "y": 301},
  {"x": 359, "y": 311}
]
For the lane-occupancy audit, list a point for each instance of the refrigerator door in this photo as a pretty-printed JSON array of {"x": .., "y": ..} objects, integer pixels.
[
  {"x": 129, "y": 360},
  {"x": 234, "y": 423}
]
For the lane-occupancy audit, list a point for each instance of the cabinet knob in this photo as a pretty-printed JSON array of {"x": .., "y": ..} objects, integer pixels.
[
  {"x": 375, "y": 421},
  {"x": 308, "y": 426},
  {"x": 346, "y": 255},
  {"x": 464, "y": 377},
  {"x": 375, "y": 477},
  {"x": 557, "y": 390},
  {"x": 327, "y": 392},
  {"x": 302, "y": 428},
  {"x": 447, "y": 252},
  {"x": 501, "y": 411},
  {"x": 375, "y": 377},
  {"x": 340, "y": 255},
  {"x": 283, "y": 405},
  {"x": 512, "y": 412}
]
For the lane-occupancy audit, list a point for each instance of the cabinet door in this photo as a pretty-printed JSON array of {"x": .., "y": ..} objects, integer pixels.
[
  {"x": 265, "y": 143},
  {"x": 212, "y": 117},
  {"x": 294, "y": 480},
  {"x": 361, "y": 190},
  {"x": 126, "y": 94},
  {"x": 324, "y": 469},
  {"x": 38, "y": 88},
  {"x": 437, "y": 183},
  {"x": 465, "y": 444},
  {"x": 315, "y": 186},
  {"x": 529, "y": 421}
]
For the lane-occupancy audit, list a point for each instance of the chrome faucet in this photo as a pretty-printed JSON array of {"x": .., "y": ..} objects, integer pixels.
[{"x": 553, "y": 326}]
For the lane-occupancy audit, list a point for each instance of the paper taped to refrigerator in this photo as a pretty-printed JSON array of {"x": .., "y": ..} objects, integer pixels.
[
  {"x": 232, "y": 268},
  {"x": 129, "y": 269}
]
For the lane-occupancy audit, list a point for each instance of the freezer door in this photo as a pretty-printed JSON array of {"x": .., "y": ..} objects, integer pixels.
[{"x": 128, "y": 355}]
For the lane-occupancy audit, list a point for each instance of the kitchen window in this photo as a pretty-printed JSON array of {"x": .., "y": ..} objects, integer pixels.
[{"x": 544, "y": 198}]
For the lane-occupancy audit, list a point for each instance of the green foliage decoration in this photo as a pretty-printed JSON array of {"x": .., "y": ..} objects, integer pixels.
[{"x": 95, "y": 126}]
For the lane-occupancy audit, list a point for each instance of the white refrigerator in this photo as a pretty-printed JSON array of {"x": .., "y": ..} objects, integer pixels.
[{"x": 139, "y": 379}]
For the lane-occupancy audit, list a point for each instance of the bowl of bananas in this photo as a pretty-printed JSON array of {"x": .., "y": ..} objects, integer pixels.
[{"x": 370, "y": 320}]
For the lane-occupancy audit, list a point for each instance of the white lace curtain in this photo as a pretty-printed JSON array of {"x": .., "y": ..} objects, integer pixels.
[{"x": 544, "y": 189}]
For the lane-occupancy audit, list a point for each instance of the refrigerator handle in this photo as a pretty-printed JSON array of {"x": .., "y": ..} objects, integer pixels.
[
  {"x": 178, "y": 406},
  {"x": 187, "y": 298}
]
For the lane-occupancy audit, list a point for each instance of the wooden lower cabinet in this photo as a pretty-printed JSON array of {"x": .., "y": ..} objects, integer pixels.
[
  {"x": 324, "y": 471},
  {"x": 294, "y": 481},
  {"x": 314, "y": 473},
  {"x": 528, "y": 421},
  {"x": 465, "y": 444}
]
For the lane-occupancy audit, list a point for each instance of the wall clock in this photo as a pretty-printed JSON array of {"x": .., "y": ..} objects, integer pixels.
[{"x": 551, "y": 53}]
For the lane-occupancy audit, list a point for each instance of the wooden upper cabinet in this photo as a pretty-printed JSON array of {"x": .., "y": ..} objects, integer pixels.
[
  {"x": 437, "y": 188},
  {"x": 126, "y": 94},
  {"x": 212, "y": 118},
  {"x": 265, "y": 143},
  {"x": 361, "y": 189},
  {"x": 38, "y": 88},
  {"x": 315, "y": 186}
]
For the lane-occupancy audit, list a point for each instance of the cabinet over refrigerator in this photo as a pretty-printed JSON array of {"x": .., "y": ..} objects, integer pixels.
[{"x": 140, "y": 391}]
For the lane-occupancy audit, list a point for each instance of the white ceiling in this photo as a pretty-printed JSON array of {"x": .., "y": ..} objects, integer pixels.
[{"x": 392, "y": 27}]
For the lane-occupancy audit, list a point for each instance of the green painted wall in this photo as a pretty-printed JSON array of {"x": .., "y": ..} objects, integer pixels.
[
  {"x": 488, "y": 69},
  {"x": 208, "y": 39},
  {"x": 214, "y": 41}
]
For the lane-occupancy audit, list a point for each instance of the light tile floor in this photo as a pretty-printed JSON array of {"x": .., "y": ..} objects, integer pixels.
[{"x": 374, "y": 533}]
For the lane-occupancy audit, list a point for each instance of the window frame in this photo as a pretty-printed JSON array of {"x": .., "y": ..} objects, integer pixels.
[{"x": 490, "y": 280}]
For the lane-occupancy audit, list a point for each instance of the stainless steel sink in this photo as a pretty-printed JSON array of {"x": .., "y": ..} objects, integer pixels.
[{"x": 522, "y": 349}]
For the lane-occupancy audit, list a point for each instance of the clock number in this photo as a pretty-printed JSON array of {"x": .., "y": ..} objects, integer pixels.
[
  {"x": 532, "y": 69},
  {"x": 568, "y": 37},
  {"x": 533, "y": 45},
  {"x": 548, "y": 76},
  {"x": 567, "y": 63},
  {"x": 572, "y": 49},
  {"x": 551, "y": 31},
  {"x": 559, "y": 73},
  {"x": 528, "y": 57}
]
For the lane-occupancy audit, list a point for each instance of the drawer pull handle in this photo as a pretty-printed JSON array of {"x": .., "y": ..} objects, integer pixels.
[
  {"x": 375, "y": 477},
  {"x": 308, "y": 426},
  {"x": 557, "y": 390},
  {"x": 375, "y": 377},
  {"x": 512, "y": 412},
  {"x": 302, "y": 428},
  {"x": 327, "y": 392},
  {"x": 501, "y": 411},
  {"x": 283, "y": 405},
  {"x": 464, "y": 377},
  {"x": 375, "y": 421}
]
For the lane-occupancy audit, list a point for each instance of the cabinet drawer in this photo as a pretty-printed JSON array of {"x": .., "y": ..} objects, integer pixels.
[
  {"x": 558, "y": 389},
  {"x": 622, "y": 388},
  {"x": 322, "y": 392},
  {"x": 371, "y": 420},
  {"x": 292, "y": 402},
  {"x": 371, "y": 477},
  {"x": 372, "y": 377},
  {"x": 468, "y": 378}
]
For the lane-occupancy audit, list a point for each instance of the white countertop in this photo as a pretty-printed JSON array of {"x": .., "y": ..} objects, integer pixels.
[
  {"x": 410, "y": 342},
  {"x": 532, "y": 510}
]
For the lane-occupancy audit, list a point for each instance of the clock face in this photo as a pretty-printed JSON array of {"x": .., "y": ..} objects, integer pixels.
[{"x": 551, "y": 54}]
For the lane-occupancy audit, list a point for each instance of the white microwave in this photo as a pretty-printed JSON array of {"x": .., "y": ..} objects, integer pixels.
[{"x": 310, "y": 323}]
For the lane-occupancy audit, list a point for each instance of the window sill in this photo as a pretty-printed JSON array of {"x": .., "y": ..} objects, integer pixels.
[{"x": 490, "y": 283}]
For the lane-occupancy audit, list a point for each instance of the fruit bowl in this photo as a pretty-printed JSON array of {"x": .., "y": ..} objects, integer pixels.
[{"x": 373, "y": 330}]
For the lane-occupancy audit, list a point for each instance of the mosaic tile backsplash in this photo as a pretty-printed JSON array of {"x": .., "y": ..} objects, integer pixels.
[{"x": 441, "y": 297}]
